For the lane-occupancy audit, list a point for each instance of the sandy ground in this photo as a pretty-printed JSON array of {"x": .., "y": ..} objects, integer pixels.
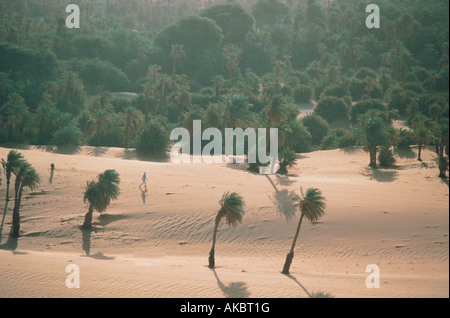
[{"x": 156, "y": 244}]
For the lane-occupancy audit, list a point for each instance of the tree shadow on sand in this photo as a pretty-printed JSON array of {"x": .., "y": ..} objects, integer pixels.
[
  {"x": 310, "y": 295},
  {"x": 128, "y": 154},
  {"x": 97, "y": 151},
  {"x": 407, "y": 153},
  {"x": 11, "y": 244},
  {"x": 284, "y": 201},
  {"x": 62, "y": 150},
  {"x": 105, "y": 219},
  {"x": 385, "y": 175},
  {"x": 233, "y": 289},
  {"x": 86, "y": 235}
]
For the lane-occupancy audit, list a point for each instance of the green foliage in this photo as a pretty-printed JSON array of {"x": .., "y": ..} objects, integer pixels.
[
  {"x": 153, "y": 141},
  {"x": 386, "y": 157},
  {"x": 67, "y": 136},
  {"x": 406, "y": 139},
  {"x": 303, "y": 50},
  {"x": 234, "y": 21},
  {"x": 331, "y": 108},
  {"x": 317, "y": 126},
  {"x": 336, "y": 91},
  {"x": 287, "y": 158},
  {"x": 297, "y": 136},
  {"x": 302, "y": 94},
  {"x": 232, "y": 208},
  {"x": 100, "y": 193},
  {"x": 96, "y": 73},
  {"x": 362, "y": 107},
  {"x": 268, "y": 12},
  {"x": 338, "y": 138},
  {"x": 312, "y": 204}
]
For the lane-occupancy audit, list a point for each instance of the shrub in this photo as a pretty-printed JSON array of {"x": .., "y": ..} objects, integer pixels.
[
  {"x": 104, "y": 74},
  {"x": 303, "y": 94},
  {"x": 357, "y": 89},
  {"x": 286, "y": 90},
  {"x": 386, "y": 157},
  {"x": 398, "y": 100},
  {"x": 297, "y": 136},
  {"x": 336, "y": 91},
  {"x": 338, "y": 138},
  {"x": 331, "y": 108},
  {"x": 317, "y": 127},
  {"x": 364, "y": 106},
  {"x": 406, "y": 139},
  {"x": 67, "y": 136},
  {"x": 153, "y": 141}
]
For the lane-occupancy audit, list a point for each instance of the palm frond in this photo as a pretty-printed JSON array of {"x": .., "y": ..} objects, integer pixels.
[
  {"x": 31, "y": 179},
  {"x": 232, "y": 208},
  {"x": 312, "y": 204}
]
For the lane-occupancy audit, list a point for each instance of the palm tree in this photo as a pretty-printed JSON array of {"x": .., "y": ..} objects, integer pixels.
[
  {"x": 99, "y": 194},
  {"x": 177, "y": 53},
  {"x": 93, "y": 196},
  {"x": 100, "y": 119},
  {"x": 133, "y": 120},
  {"x": 232, "y": 54},
  {"x": 374, "y": 133},
  {"x": 236, "y": 111},
  {"x": 108, "y": 183},
  {"x": 26, "y": 176},
  {"x": 218, "y": 82},
  {"x": 10, "y": 166},
  {"x": 276, "y": 111},
  {"x": 232, "y": 209},
  {"x": 12, "y": 163},
  {"x": 312, "y": 206},
  {"x": 422, "y": 136},
  {"x": 287, "y": 160}
]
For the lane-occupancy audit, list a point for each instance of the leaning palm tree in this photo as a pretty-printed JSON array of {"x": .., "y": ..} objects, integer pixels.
[
  {"x": 108, "y": 183},
  {"x": 99, "y": 194},
  {"x": 92, "y": 196},
  {"x": 312, "y": 206},
  {"x": 26, "y": 176},
  {"x": 12, "y": 163},
  {"x": 232, "y": 209}
]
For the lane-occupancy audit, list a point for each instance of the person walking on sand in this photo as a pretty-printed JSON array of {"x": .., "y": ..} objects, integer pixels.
[{"x": 144, "y": 180}]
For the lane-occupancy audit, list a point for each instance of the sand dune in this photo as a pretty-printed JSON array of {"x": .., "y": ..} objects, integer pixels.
[{"x": 156, "y": 244}]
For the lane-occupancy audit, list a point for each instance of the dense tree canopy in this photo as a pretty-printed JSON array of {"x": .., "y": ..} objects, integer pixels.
[{"x": 134, "y": 61}]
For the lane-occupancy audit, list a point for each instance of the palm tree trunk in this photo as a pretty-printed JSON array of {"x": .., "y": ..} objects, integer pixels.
[
  {"x": 420, "y": 153},
  {"x": 88, "y": 219},
  {"x": 442, "y": 162},
  {"x": 290, "y": 256},
  {"x": 373, "y": 157},
  {"x": 3, "y": 220},
  {"x": 15, "y": 232},
  {"x": 127, "y": 132},
  {"x": 8, "y": 182},
  {"x": 212, "y": 261}
]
